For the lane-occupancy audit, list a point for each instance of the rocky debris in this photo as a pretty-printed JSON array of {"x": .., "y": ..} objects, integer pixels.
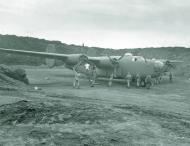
[
  {"x": 12, "y": 78},
  {"x": 24, "y": 112},
  {"x": 85, "y": 124},
  {"x": 15, "y": 73},
  {"x": 52, "y": 123},
  {"x": 43, "y": 123}
]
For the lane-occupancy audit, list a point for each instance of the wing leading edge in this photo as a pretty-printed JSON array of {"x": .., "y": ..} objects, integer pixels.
[{"x": 36, "y": 54}]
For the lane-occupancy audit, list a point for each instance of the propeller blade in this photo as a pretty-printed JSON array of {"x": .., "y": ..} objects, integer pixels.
[
  {"x": 115, "y": 63},
  {"x": 121, "y": 57},
  {"x": 115, "y": 60}
]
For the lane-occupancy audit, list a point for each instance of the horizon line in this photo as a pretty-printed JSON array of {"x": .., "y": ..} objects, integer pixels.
[{"x": 46, "y": 39}]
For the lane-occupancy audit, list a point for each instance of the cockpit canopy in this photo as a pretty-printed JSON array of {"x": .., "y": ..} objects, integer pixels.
[
  {"x": 135, "y": 58},
  {"x": 138, "y": 58},
  {"x": 128, "y": 54}
]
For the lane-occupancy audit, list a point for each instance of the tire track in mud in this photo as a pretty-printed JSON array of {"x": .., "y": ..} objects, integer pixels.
[
  {"x": 61, "y": 109},
  {"x": 45, "y": 112},
  {"x": 174, "y": 122}
]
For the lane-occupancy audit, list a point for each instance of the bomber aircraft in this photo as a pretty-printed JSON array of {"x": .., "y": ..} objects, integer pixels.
[{"x": 108, "y": 66}]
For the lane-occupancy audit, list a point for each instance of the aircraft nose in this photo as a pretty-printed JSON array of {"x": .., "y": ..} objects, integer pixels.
[{"x": 159, "y": 64}]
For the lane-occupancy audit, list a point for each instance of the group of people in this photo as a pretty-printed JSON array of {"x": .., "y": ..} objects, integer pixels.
[
  {"x": 91, "y": 71},
  {"x": 139, "y": 81},
  {"x": 146, "y": 81}
]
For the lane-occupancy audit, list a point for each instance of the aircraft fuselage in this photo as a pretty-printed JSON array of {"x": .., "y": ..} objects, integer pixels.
[{"x": 133, "y": 65}]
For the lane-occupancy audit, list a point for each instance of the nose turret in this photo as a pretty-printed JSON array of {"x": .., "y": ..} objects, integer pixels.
[{"x": 159, "y": 64}]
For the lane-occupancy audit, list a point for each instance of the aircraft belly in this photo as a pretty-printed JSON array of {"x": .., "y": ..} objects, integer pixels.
[
  {"x": 103, "y": 72},
  {"x": 137, "y": 68}
]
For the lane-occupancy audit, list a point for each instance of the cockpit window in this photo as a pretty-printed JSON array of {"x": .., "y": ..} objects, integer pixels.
[{"x": 138, "y": 58}]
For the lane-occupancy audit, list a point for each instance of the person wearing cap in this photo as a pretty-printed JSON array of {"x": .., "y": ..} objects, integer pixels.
[{"x": 76, "y": 83}]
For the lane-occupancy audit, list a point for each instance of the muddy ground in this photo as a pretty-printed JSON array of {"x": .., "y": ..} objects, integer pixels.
[{"x": 57, "y": 114}]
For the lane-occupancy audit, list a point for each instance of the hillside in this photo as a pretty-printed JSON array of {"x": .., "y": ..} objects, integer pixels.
[{"x": 35, "y": 44}]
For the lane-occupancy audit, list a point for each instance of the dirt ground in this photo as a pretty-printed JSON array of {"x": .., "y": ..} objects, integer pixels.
[{"x": 57, "y": 114}]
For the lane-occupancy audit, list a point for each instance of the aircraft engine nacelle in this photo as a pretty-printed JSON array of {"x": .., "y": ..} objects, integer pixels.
[
  {"x": 159, "y": 64},
  {"x": 75, "y": 58},
  {"x": 106, "y": 64}
]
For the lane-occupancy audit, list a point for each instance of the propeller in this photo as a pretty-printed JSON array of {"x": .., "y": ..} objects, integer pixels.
[
  {"x": 115, "y": 63},
  {"x": 168, "y": 63},
  {"x": 172, "y": 63}
]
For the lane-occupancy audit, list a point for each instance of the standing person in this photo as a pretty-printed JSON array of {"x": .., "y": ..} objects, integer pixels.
[
  {"x": 156, "y": 80},
  {"x": 110, "y": 80},
  {"x": 170, "y": 77},
  {"x": 76, "y": 83},
  {"x": 93, "y": 78},
  {"x": 148, "y": 81},
  {"x": 138, "y": 79},
  {"x": 128, "y": 79}
]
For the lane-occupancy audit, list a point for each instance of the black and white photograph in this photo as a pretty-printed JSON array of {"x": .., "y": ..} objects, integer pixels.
[{"x": 94, "y": 73}]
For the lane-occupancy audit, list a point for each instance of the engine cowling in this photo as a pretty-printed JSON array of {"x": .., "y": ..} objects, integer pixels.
[{"x": 75, "y": 58}]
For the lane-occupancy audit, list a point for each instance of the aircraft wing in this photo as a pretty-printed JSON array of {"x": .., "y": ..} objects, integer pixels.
[
  {"x": 171, "y": 63},
  {"x": 175, "y": 61},
  {"x": 94, "y": 60},
  {"x": 36, "y": 54}
]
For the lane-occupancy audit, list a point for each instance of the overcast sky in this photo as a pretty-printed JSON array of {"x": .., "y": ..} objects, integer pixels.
[{"x": 101, "y": 23}]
